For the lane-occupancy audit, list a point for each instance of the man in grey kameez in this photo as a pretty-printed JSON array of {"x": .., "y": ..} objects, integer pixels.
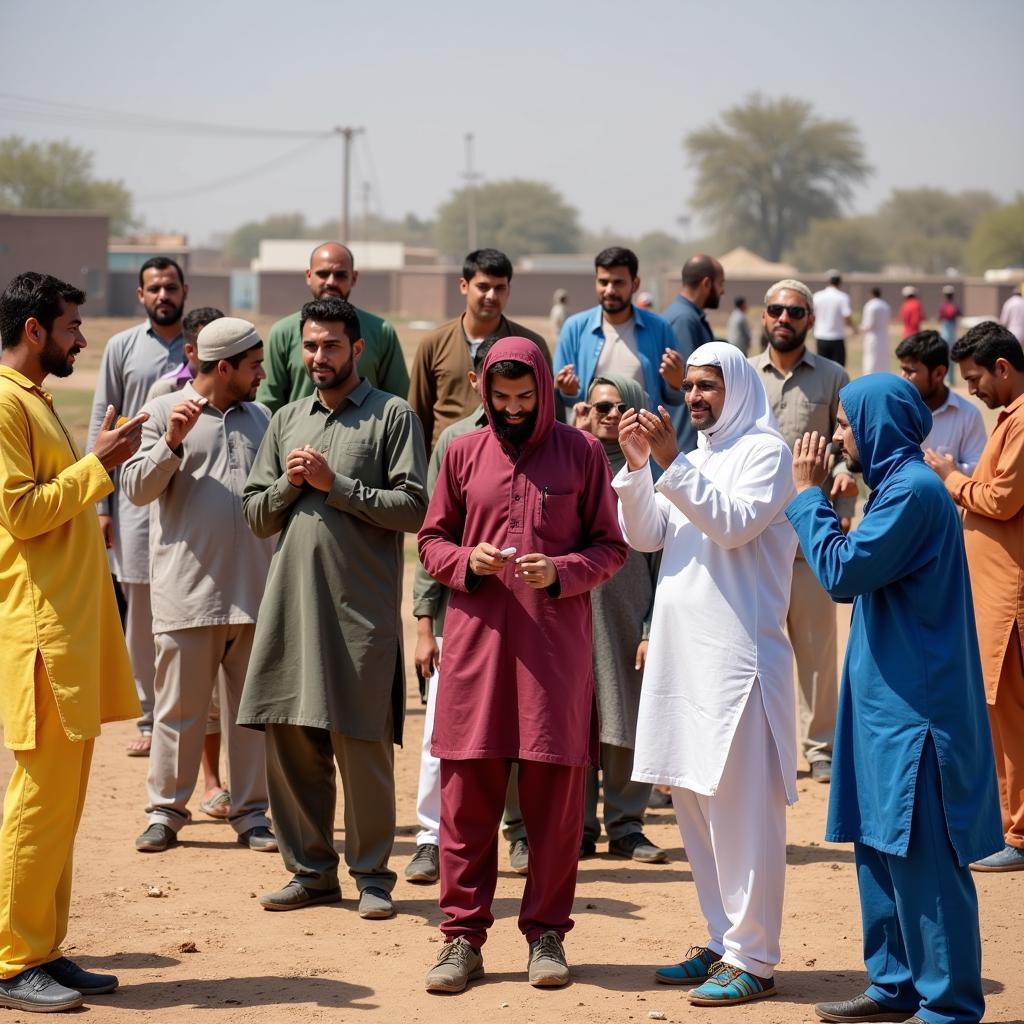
[
  {"x": 208, "y": 574},
  {"x": 132, "y": 362},
  {"x": 621, "y": 609},
  {"x": 342, "y": 475}
]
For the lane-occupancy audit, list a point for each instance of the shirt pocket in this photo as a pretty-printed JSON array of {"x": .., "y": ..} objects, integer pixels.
[
  {"x": 356, "y": 459},
  {"x": 556, "y": 517}
]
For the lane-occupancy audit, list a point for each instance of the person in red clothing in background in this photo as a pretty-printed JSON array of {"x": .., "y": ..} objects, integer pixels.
[
  {"x": 911, "y": 312},
  {"x": 522, "y": 525}
]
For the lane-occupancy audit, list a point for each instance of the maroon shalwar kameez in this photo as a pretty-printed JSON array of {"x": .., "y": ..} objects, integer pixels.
[{"x": 515, "y": 680}]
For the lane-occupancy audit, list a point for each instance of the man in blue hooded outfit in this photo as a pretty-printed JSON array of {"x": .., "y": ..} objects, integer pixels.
[{"x": 913, "y": 784}]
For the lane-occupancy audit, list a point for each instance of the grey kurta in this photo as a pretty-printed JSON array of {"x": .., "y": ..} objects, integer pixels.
[
  {"x": 621, "y": 609},
  {"x": 207, "y": 566},
  {"x": 132, "y": 362},
  {"x": 328, "y": 650}
]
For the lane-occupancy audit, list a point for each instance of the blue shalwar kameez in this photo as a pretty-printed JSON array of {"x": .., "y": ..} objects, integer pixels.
[{"x": 913, "y": 775}]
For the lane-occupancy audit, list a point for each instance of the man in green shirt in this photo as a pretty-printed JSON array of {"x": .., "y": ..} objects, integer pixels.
[
  {"x": 331, "y": 273},
  {"x": 341, "y": 476}
]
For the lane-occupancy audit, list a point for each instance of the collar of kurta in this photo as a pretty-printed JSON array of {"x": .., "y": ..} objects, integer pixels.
[
  {"x": 23, "y": 382},
  {"x": 356, "y": 396},
  {"x": 1015, "y": 406},
  {"x": 156, "y": 337}
]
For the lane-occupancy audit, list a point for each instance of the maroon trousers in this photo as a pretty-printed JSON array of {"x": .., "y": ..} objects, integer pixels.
[{"x": 472, "y": 801}]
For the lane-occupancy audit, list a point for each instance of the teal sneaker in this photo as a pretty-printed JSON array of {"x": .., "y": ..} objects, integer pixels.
[
  {"x": 727, "y": 985},
  {"x": 692, "y": 970}
]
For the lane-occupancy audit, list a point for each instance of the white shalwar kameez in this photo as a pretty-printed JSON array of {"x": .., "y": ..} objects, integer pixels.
[
  {"x": 717, "y": 715},
  {"x": 874, "y": 322}
]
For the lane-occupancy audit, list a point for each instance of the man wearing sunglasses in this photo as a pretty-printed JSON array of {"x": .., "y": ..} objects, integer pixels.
[{"x": 803, "y": 389}]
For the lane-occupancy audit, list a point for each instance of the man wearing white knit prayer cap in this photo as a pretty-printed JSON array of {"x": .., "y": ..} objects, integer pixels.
[
  {"x": 717, "y": 719},
  {"x": 208, "y": 573}
]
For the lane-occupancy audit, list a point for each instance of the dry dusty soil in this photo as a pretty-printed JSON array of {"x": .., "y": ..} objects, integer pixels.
[{"x": 187, "y": 937}]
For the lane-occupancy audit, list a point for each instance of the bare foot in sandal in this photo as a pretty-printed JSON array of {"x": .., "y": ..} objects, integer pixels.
[
  {"x": 216, "y": 803},
  {"x": 139, "y": 747}
]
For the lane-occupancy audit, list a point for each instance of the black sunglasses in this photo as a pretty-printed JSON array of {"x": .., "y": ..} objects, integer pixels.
[
  {"x": 604, "y": 408},
  {"x": 795, "y": 312}
]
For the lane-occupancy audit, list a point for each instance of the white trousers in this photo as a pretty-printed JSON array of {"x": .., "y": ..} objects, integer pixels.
[
  {"x": 428, "y": 793},
  {"x": 736, "y": 845}
]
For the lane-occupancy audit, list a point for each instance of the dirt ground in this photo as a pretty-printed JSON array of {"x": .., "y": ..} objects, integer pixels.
[{"x": 203, "y": 946}]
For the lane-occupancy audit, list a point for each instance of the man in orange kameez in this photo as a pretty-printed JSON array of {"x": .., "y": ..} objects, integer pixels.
[{"x": 992, "y": 362}]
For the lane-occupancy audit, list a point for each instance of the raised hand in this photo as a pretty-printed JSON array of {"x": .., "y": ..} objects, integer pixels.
[
  {"x": 566, "y": 380},
  {"x": 810, "y": 460},
  {"x": 633, "y": 440},
  {"x": 114, "y": 445}
]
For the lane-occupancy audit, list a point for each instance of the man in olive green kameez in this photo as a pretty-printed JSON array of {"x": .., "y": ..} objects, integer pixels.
[{"x": 342, "y": 476}]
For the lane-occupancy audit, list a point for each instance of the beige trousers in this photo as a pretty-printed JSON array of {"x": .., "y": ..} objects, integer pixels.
[
  {"x": 811, "y": 625},
  {"x": 188, "y": 663}
]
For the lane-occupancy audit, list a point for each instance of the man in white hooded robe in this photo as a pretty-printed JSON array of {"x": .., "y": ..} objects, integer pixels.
[{"x": 717, "y": 714}]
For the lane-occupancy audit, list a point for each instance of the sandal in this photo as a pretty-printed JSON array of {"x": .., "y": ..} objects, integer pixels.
[
  {"x": 139, "y": 747},
  {"x": 217, "y": 806}
]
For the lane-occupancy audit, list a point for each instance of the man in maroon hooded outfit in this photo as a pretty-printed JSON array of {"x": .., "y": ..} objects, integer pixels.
[{"x": 508, "y": 689}]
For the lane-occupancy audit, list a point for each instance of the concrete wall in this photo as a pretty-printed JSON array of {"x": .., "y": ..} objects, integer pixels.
[
  {"x": 203, "y": 290},
  {"x": 71, "y": 246}
]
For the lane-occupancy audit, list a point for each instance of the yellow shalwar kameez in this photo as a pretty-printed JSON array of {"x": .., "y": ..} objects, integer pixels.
[{"x": 65, "y": 667}]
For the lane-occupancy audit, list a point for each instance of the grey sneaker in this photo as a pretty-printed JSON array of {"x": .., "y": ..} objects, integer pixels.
[
  {"x": 458, "y": 963},
  {"x": 519, "y": 856},
  {"x": 375, "y": 904},
  {"x": 258, "y": 838},
  {"x": 547, "y": 966},
  {"x": 821, "y": 771},
  {"x": 425, "y": 866},
  {"x": 636, "y": 846},
  {"x": 156, "y": 839}
]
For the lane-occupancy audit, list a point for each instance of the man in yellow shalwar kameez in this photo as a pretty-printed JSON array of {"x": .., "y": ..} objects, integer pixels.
[{"x": 66, "y": 669}]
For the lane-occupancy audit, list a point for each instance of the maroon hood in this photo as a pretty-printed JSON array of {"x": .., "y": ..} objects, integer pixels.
[{"x": 524, "y": 351}]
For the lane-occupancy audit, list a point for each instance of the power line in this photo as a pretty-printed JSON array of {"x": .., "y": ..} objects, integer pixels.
[
  {"x": 252, "y": 172},
  {"x": 38, "y": 111}
]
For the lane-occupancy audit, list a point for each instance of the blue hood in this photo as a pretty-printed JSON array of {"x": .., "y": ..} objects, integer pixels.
[{"x": 889, "y": 421}]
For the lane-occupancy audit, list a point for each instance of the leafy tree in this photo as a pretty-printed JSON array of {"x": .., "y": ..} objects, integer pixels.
[
  {"x": 927, "y": 229},
  {"x": 853, "y": 243},
  {"x": 998, "y": 238},
  {"x": 58, "y": 176},
  {"x": 243, "y": 244},
  {"x": 770, "y": 168},
  {"x": 516, "y": 216}
]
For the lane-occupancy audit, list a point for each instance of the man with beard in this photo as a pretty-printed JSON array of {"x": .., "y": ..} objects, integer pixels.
[
  {"x": 803, "y": 390},
  {"x": 957, "y": 427},
  {"x": 208, "y": 574},
  {"x": 132, "y": 363},
  {"x": 703, "y": 284},
  {"x": 66, "y": 671},
  {"x": 521, "y": 527},
  {"x": 331, "y": 273},
  {"x": 716, "y": 715},
  {"x": 914, "y": 787},
  {"x": 341, "y": 476},
  {"x": 617, "y": 336},
  {"x": 992, "y": 363},
  {"x": 440, "y": 392}
]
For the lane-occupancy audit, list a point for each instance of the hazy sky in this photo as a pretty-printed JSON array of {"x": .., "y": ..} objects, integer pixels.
[{"x": 592, "y": 97}]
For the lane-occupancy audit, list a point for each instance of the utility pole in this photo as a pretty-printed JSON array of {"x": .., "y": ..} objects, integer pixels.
[
  {"x": 347, "y": 135},
  {"x": 471, "y": 178},
  {"x": 366, "y": 211}
]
